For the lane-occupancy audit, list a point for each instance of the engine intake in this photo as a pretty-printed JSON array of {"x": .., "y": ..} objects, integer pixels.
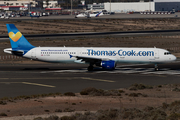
[{"x": 108, "y": 64}]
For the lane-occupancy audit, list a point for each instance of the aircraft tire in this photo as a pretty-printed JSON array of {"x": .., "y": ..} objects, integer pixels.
[
  {"x": 156, "y": 69},
  {"x": 90, "y": 68}
]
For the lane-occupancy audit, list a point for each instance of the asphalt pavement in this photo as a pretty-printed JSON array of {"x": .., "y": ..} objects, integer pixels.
[{"x": 31, "y": 79}]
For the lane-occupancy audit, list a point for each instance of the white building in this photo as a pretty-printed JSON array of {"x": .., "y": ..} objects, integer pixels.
[
  {"x": 129, "y": 6},
  {"x": 153, "y": 5},
  {"x": 51, "y": 4},
  {"x": 19, "y": 3}
]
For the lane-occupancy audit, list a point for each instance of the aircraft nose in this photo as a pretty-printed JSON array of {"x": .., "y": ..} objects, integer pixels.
[{"x": 173, "y": 58}]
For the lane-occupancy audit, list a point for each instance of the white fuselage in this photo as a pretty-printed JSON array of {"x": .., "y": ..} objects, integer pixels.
[
  {"x": 119, "y": 55},
  {"x": 81, "y": 15},
  {"x": 94, "y": 14}
]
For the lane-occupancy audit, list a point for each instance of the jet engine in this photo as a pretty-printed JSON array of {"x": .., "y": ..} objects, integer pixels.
[{"x": 108, "y": 64}]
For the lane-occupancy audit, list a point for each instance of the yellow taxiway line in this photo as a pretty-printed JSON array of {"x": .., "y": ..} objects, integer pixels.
[{"x": 42, "y": 85}]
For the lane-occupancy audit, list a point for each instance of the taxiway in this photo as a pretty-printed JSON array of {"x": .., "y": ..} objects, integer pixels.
[{"x": 30, "y": 79}]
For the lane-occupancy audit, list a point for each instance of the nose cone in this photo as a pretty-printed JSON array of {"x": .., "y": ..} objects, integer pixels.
[{"x": 173, "y": 58}]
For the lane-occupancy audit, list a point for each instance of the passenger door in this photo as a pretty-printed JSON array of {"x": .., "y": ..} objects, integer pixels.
[
  {"x": 33, "y": 54},
  {"x": 156, "y": 56}
]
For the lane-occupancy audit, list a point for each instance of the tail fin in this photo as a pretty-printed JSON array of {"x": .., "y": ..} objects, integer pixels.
[
  {"x": 98, "y": 14},
  {"x": 18, "y": 41}
]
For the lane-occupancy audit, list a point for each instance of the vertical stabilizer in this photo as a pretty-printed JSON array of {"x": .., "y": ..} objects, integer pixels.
[{"x": 18, "y": 41}]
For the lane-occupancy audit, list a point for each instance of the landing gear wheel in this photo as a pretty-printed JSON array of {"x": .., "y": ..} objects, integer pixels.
[
  {"x": 90, "y": 68},
  {"x": 156, "y": 67}
]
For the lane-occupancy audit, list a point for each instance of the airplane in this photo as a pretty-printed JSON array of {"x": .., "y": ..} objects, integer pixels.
[
  {"x": 105, "y": 57},
  {"x": 89, "y": 15}
]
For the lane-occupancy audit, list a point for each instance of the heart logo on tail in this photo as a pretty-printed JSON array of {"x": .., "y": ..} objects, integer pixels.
[{"x": 15, "y": 37}]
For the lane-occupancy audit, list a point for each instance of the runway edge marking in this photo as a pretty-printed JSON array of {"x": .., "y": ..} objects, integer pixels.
[{"x": 28, "y": 83}]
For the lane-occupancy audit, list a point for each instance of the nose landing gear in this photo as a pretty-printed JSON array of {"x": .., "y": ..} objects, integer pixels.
[{"x": 156, "y": 67}]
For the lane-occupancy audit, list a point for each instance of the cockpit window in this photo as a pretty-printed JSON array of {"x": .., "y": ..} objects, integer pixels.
[{"x": 167, "y": 53}]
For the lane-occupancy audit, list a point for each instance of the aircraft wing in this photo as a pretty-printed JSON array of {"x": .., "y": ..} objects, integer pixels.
[{"x": 89, "y": 59}]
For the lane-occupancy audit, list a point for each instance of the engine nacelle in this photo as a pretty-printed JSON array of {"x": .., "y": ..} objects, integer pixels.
[{"x": 108, "y": 64}]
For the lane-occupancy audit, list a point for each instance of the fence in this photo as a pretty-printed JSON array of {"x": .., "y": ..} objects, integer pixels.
[{"x": 10, "y": 57}]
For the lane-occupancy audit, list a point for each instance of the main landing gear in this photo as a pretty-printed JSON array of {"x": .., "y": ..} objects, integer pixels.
[
  {"x": 90, "y": 68},
  {"x": 156, "y": 67}
]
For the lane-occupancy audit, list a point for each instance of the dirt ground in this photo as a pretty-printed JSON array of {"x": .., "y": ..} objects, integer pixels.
[
  {"x": 90, "y": 25},
  {"x": 48, "y": 105},
  {"x": 59, "y": 105}
]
